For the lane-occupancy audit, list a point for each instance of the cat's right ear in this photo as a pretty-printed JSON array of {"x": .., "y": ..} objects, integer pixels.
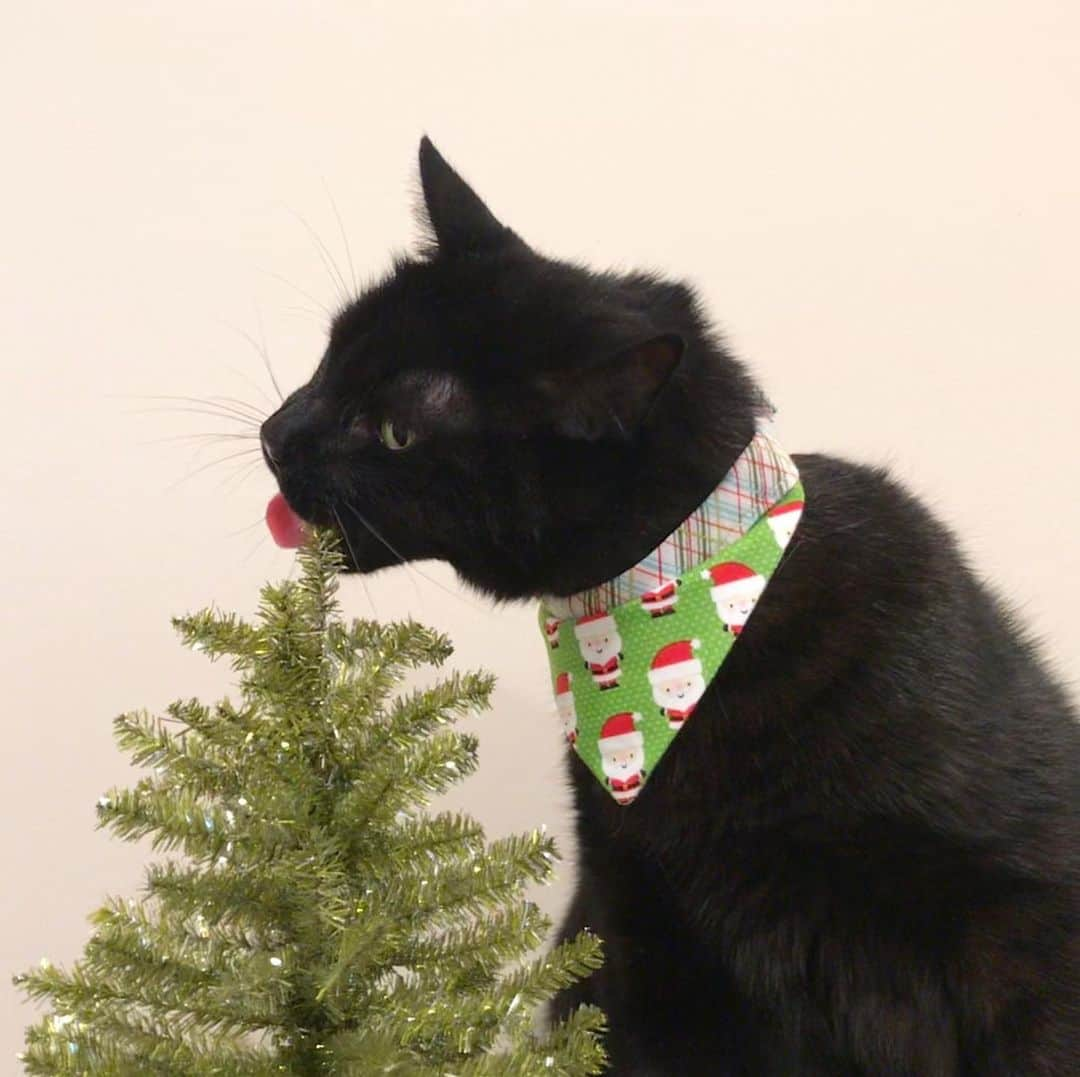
[
  {"x": 612, "y": 398},
  {"x": 460, "y": 222}
]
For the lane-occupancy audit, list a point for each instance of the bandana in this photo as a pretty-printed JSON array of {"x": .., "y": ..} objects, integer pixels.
[{"x": 632, "y": 657}]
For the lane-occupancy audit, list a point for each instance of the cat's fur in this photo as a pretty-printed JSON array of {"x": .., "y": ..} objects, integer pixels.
[{"x": 861, "y": 855}]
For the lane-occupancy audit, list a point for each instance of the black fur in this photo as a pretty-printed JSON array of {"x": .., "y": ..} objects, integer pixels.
[{"x": 861, "y": 855}]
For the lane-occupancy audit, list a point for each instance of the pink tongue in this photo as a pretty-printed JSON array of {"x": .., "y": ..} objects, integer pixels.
[{"x": 285, "y": 526}]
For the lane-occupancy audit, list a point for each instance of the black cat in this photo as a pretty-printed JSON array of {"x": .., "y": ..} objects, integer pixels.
[{"x": 861, "y": 854}]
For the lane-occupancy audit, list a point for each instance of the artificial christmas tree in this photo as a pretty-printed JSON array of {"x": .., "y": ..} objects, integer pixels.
[{"x": 320, "y": 922}]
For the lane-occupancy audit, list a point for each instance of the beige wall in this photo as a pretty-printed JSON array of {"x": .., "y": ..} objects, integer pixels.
[{"x": 878, "y": 200}]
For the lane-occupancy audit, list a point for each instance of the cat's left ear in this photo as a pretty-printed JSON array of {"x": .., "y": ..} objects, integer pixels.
[
  {"x": 612, "y": 398},
  {"x": 459, "y": 219}
]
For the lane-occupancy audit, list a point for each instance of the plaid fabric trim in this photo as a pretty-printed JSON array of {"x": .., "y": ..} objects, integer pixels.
[{"x": 758, "y": 479}]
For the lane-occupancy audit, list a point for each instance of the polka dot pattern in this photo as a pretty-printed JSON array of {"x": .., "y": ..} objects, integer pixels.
[{"x": 624, "y": 708}]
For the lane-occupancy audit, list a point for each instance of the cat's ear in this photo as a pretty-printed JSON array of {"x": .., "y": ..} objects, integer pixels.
[
  {"x": 459, "y": 220},
  {"x": 612, "y": 398}
]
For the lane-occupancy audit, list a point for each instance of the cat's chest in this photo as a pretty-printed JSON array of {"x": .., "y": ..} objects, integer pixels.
[{"x": 714, "y": 818}]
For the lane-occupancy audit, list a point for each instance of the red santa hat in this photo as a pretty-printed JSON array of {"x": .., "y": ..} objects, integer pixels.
[
  {"x": 551, "y": 625},
  {"x": 781, "y": 510},
  {"x": 620, "y": 732},
  {"x": 731, "y": 574},
  {"x": 562, "y": 684},
  {"x": 594, "y": 624},
  {"x": 675, "y": 660}
]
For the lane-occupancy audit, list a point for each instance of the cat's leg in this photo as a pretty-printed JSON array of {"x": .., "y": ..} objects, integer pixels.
[
  {"x": 669, "y": 1008},
  {"x": 1018, "y": 974},
  {"x": 581, "y": 992},
  {"x": 901, "y": 960}
]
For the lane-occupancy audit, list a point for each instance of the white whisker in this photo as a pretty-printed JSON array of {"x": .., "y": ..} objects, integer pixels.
[
  {"x": 212, "y": 463},
  {"x": 217, "y": 407},
  {"x": 216, "y": 435},
  {"x": 352, "y": 554},
  {"x": 327, "y": 258},
  {"x": 260, "y": 350},
  {"x": 247, "y": 527},
  {"x": 344, "y": 236},
  {"x": 254, "y": 384},
  {"x": 307, "y": 312},
  {"x": 405, "y": 564},
  {"x": 258, "y": 542},
  {"x": 240, "y": 475},
  {"x": 408, "y": 566},
  {"x": 296, "y": 288},
  {"x": 266, "y": 354}
]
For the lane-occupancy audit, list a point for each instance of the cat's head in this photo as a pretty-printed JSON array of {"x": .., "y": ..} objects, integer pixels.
[{"x": 525, "y": 419}]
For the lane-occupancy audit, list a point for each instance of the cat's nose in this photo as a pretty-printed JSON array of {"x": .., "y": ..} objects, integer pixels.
[
  {"x": 280, "y": 434},
  {"x": 268, "y": 450},
  {"x": 294, "y": 432}
]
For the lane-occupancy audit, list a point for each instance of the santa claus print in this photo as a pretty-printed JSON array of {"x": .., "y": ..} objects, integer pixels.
[
  {"x": 661, "y": 600},
  {"x": 564, "y": 704},
  {"x": 735, "y": 591},
  {"x": 783, "y": 519},
  {"x": 551, "y": 630},
  {"x": 676, "y": 679},
  {"x": 601, "y": 646},
  {"x": 622, "y": 755}
]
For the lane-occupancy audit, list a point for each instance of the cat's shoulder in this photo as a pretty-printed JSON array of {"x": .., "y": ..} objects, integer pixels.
[
  {"x": 866, "y": 500},
  {"x": 866, "y": 536}
]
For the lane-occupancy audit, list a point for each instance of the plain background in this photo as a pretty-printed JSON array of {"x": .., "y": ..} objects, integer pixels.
[{"x": 878, "y": 202}]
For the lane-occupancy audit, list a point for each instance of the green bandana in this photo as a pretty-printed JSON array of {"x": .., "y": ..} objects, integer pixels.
[{"x": 631, "y": 658}]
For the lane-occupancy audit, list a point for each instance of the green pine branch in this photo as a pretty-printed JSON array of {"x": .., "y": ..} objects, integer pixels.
[{"x": 317, "y": 919}]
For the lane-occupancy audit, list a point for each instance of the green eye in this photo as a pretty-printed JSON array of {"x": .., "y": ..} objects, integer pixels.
[{"x": 394, "y": 437}]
